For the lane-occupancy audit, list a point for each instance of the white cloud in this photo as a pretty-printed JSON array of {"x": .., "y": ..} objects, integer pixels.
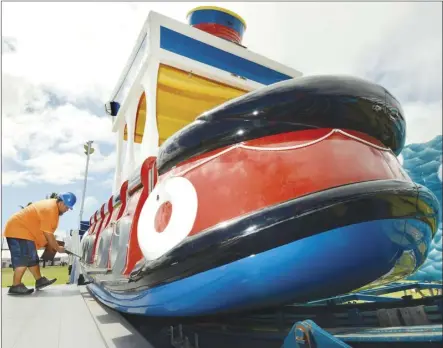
[
  {"x": 48, "y": 141},
  {"x": 18, "y": 94},
  {"x": 409, "y": 62},
  {"x": 76, "y": 49},
  {"x": 28, "y": 117},
  {"x": 90, "y": 207},
  {"x": 59, "y": 168},
  {"x": 423, "y": 121},
  {"x": 90, "y": 203},
  {"x": 108, "y": 182},
  {"x": 16, "y": 178},
  {"x": 8, "y": 44},
  {"x": 307, "y": 37},
  {"x": 8, "y": 150}
]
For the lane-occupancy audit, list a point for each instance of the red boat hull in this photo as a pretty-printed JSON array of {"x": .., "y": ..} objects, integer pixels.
[{"x": 267, "y": 171}]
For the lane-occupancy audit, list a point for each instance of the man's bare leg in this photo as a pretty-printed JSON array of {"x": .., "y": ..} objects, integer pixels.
[
  {"x": 40, "y": 282},
  {"x": 35, "y": 271},
  {"x": 18, "y": 275}
]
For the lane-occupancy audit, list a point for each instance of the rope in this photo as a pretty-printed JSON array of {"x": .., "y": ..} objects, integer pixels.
[{"x": 284, "y": 148}]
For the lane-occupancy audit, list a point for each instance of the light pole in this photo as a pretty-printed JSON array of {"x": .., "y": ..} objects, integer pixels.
[{"x": 89, "y": 150}]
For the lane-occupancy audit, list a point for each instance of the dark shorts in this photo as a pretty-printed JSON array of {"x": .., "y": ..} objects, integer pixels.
[{"x": 23, "y": 252}]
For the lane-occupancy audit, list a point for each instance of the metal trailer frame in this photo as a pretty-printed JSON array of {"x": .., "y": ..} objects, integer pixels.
[{"x": 376, "y": 320}]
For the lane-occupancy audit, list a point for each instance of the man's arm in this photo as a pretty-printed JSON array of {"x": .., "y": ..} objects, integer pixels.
[
  {"x": 53, "y": 242},
  {"x": 48, "y": 224}
]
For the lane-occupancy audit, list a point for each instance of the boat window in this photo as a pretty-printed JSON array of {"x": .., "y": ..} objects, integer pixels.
[
  {"x": 134, "y": 182},
  {"x": 83, "y": 246},
  {"x": 116, "y": 199},
  {"x": 87, "y": 246},
  {"x": 119, "y": 244},
  {"x": 90, "y": 247},
  {"x": 102, "y": 253}
]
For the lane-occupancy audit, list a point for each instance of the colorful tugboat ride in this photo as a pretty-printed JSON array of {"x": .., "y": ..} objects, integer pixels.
[{"x": 240, "y": 184}]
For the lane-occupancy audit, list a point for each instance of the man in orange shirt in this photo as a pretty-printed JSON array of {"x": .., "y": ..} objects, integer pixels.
[{"x": 30, "y": 229}]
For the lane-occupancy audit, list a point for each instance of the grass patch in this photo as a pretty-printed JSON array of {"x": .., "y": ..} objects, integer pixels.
[{"x": 50, "y": 272}]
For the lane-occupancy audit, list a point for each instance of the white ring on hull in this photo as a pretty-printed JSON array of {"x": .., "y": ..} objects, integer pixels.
[{"x": 180, "y": 192}]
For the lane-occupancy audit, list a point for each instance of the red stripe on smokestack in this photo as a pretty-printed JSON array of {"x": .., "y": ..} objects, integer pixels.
[{"x": 220, "y": 31}]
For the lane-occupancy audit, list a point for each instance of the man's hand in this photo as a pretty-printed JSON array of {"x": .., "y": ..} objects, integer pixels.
[
  {"x": 52, "y": 243},
  {"x": 61, "y": 249}
]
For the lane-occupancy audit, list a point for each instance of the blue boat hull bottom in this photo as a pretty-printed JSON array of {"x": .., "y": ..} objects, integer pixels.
[{"x": 327, "y": 264}]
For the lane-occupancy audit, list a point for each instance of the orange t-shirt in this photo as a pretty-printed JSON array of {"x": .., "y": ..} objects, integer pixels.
[{"x": 30, "y": 222}]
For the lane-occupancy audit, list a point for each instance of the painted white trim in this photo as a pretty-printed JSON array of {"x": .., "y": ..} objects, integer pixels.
[
  {"x": 130, "y": 116},
  {"x": 133, "y": 89},
  {"x": 118, "y": 167},
  {"x": 149, "y": 145},
  {"x": 131, "y": 57},
  {"x": 118, "y": 120}
]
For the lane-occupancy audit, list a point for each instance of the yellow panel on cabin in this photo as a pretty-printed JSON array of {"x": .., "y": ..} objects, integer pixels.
[
  {"x": 181, "y": 97},
  {"x": 140, "y": 120}
]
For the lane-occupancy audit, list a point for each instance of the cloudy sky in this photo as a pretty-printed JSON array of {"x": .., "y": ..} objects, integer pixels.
[{"x": 60, "y": 62}]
